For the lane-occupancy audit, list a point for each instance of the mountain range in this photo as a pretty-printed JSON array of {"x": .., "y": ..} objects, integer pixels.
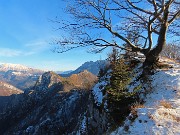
[
  {"x": 19, "y": 76},
  {"x": 6, "y": 93},
  {"x": 90, "y": 66},
  {"x": 25, "y": 78},
  {"x": 51, "y": 94},
  {"x": 51, "y": 104},
  {"x": 79, "y": 105}
]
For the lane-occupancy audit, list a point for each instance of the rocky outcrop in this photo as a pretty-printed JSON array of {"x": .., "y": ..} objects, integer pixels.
[
  {"x": 48, "y": 81},
  {"x": 56, "y": 105}
]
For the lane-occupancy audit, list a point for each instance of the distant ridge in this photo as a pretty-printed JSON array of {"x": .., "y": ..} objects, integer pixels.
[
  {"x": 90, "y": 66},
  {"x": 17, "y": 67},
  {"x": 50, "y": 80},
  {"x": 8, "y": 89},
  {"x": 20, "y": 76}
]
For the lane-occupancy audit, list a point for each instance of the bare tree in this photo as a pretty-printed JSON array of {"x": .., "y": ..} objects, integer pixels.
[
  {"x": 171, "y": 51},
  {"x": 104, "y": 23}
]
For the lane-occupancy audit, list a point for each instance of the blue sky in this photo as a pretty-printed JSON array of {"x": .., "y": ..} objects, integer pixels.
[{"x": 26, "y": 34}]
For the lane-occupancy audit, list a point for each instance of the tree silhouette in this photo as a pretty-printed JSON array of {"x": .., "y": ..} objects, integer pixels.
[{"x": 103, "y": 23}]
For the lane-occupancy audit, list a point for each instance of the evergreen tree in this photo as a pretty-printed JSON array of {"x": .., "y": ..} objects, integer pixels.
[
  {"x": 118, "y": 96},
  {"x": 120, "y": 78}
]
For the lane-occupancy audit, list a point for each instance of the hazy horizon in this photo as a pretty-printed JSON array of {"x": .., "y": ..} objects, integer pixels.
[{"x": 27, "y": 33}]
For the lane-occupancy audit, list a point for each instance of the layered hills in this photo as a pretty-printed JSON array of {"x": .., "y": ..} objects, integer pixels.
[
  {"x": 8, "y": 90},
  {"x": 70, "y": 105},
  {"x": 90, "y": 66},
  {"x": 25, "y": 78},
  {"x": 19, "y": 76},
  {"x": 50, "y": 80},
  {"x": 53, "y": 98},
  {"x": 6, "y": 93}
]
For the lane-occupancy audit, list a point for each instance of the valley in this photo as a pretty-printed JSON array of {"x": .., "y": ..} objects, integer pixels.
[{"x": 51, "y": 94}]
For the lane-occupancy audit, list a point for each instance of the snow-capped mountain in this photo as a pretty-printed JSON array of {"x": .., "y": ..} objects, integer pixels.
[
  {"x": 20, "y": 76},
  {"x": 18, "y": 68}
]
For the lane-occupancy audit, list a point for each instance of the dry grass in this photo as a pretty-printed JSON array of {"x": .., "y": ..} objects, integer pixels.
[
  {"x": 175, "y": 118},
  {"x": 134, "y": 108},
  {"x": 166, "y": 104},
  {"x": 150, "y": 116},
  {"x": 164, "y": 66},
  {"x": 169, "y": 115},
  {"x": 137, "y": 105}
]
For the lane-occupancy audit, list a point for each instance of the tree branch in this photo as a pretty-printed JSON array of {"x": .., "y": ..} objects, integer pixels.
[
  {"x": 176, "y": 15},
  {"x": 138, "y": 8}
]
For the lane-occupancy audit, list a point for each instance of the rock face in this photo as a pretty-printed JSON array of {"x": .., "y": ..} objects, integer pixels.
[
  {"x": 56, "y": 105},
  {"x": 48, "y": 81}
]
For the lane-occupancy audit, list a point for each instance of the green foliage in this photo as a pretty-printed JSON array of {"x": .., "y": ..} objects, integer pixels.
[
  {"x": 119, "y": 98},
  {"x": 120, "y": 78}
]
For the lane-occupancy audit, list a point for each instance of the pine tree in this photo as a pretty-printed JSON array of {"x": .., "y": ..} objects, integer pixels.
[
  {"x": 118, "y": 96},
  {"x": 120, "y": 78}
]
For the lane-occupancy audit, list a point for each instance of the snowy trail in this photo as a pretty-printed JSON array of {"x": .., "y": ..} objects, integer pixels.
[{"x": 161, "y": 112}]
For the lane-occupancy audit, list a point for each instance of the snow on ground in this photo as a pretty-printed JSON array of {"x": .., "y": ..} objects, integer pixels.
[
  {"x": 97, "y": 90},
  {"x": 160, "y": 114}
]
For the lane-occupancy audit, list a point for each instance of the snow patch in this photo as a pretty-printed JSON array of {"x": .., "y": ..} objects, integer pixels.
[
  {"x": 161, "y": 112},
  {"x": 97, "y": 91}
]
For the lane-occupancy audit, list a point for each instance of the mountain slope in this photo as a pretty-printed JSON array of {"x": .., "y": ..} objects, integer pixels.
[
  {"x": 61, "y": 106},
  {"x": 7, "y": 89},
  {"x": 160, "y": 113},
  {"x": 18, "y": 75},
  {"x": 49, "y": 80},
  {"x": 17, "y": 67},
  {"x": 6, "y": 93},
  {"x": 52, "y": 107}
]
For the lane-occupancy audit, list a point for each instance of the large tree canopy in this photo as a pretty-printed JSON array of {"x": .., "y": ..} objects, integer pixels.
[{"x": 142, "y": 24}]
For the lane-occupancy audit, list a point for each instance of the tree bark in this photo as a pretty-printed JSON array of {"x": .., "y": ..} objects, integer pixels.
[{"x": 152, "y": 56}]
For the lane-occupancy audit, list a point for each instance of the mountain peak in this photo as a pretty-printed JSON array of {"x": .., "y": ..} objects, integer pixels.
[
  {"x": 17, "y": 67},
  {"x": 47, "y": 81},
  {"x": 90, "y": 66},
  {"x": 10, "y": 66}
]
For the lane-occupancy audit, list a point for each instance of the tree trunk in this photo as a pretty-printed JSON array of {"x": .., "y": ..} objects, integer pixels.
[{"x": 152, "y": 56}]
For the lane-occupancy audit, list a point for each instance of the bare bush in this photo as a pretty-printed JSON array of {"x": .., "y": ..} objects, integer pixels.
[{"x": 171, "y": 51}]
